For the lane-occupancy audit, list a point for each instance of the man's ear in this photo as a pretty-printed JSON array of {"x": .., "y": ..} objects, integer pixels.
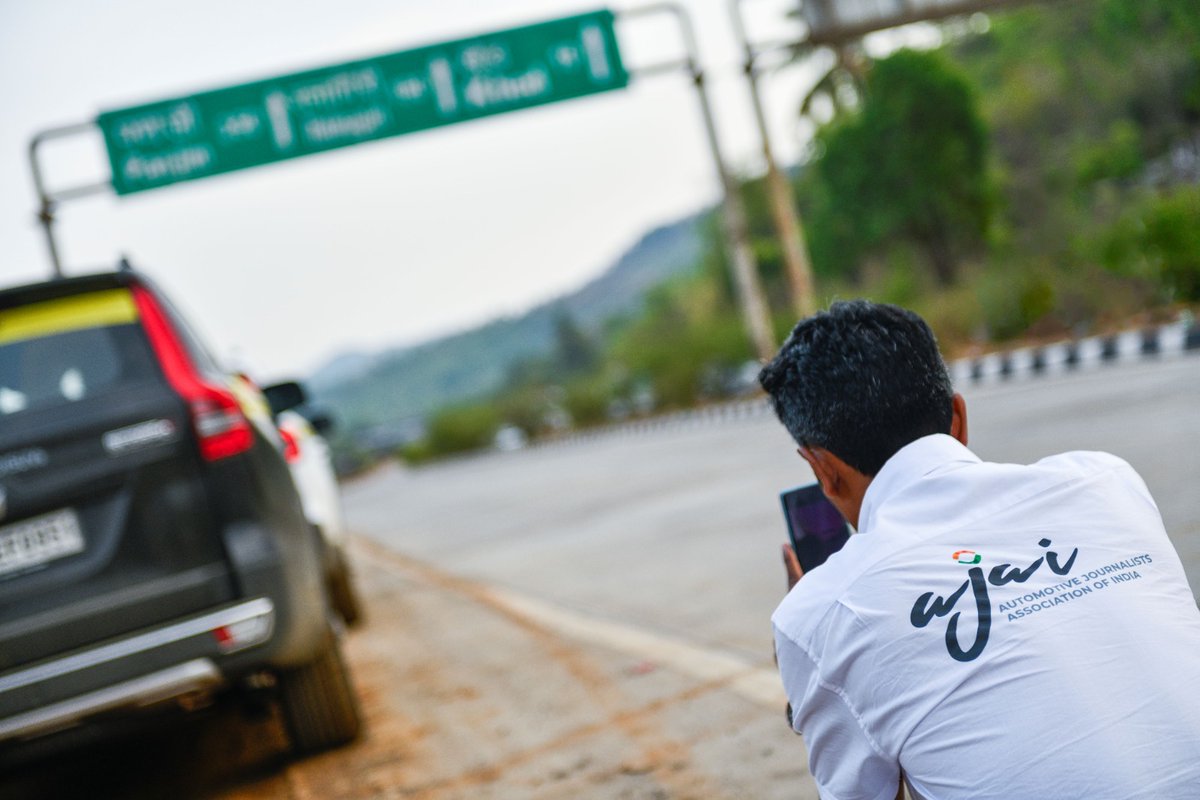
[
  {"x": 958, "y": 419},
  {"x": 831, "y": 472},
  {"x": 841, "y": 483}
]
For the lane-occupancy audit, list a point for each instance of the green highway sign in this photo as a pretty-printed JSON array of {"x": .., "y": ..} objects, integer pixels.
[{"x": 323, "y": 109}]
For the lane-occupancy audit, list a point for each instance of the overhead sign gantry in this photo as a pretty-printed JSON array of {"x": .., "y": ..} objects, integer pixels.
[{"x": 214, "y": 132}]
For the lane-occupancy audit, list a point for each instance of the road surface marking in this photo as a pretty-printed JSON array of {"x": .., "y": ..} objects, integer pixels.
[{"x": 755, "y": 683}]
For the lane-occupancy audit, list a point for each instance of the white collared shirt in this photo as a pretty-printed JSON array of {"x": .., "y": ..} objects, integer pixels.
[{"x": 998, "y": 631}]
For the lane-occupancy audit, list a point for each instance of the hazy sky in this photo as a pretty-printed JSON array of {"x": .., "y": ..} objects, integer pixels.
[{"x": 380, "y": 244}]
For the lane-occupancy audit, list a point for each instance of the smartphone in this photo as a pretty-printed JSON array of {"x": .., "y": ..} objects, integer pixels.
[{"x": 815, "y": 526}]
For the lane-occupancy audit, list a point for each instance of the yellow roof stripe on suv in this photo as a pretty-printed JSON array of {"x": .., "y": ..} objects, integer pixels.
[{"x": 91, "y": 310}]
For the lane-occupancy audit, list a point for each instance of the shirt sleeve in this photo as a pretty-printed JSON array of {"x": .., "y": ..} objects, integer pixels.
[{"x": 843, "y": 759}]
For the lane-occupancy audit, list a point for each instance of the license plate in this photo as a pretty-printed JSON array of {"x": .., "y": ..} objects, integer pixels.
[{"x": 34, "y": 542}]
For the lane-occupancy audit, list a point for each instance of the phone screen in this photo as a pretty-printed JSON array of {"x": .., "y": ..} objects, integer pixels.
[{"x": 817, "y": 529}]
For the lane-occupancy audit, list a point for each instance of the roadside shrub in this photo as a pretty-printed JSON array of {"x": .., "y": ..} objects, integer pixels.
[
  {"x": 462, "y": 428},
  {"x": 955, "y": 315},
  {"x": 416, "y": 452},
  {"x": 524, "y": 407},
  {"x": 587, "y": 401},
  {"x": 1158, "y": 239},
  {"x": 1118, "y": 155},
  {"x": 1171, "y": 240},
  {"x": 1013, "y": 300}
]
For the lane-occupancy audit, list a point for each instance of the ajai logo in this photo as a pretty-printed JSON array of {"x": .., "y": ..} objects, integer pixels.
[{"x": 930, "y": 604}]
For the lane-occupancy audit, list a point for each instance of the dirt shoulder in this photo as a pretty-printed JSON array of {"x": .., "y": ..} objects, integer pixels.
[{"x": 466, "y": 698}]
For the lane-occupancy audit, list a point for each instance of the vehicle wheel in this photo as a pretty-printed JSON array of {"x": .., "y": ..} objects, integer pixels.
[
  {"x": 343, "y": 594},
  {"x": 319, "y": 705}
]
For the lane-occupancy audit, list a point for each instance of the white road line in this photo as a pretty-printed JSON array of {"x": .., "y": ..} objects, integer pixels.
[
  {"x": 755, "y": 683},
  {"x": 752, "y": 681}
]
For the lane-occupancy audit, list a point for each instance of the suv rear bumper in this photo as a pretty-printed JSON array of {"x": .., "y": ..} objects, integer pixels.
[{"x": 162, "y": 663}]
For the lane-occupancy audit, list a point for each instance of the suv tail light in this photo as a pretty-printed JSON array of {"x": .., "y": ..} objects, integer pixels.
[
  {"x": 221, "y": 427},
  {"x": 291, "y": 446}
]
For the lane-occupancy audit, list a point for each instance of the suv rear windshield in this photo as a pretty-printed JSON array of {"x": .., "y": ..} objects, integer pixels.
[{"x": 61, "y": 351}]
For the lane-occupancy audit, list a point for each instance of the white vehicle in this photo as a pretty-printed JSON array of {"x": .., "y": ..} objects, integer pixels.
[{"x": 308, "y": 456}]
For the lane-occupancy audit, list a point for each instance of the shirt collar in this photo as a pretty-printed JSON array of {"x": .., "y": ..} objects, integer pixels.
[{"x": 910, "y": 463}]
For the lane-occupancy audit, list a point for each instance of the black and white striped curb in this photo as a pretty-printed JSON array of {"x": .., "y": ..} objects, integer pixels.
[{"x": 1155, "y": 342}]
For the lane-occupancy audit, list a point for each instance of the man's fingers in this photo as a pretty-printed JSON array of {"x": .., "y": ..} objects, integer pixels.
[{"x": 792, "y": 565}]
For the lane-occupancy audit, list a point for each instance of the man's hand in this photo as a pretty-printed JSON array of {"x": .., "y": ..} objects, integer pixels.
[{"x": 792, "y": 565}]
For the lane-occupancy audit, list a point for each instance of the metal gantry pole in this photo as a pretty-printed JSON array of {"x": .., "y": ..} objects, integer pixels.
[
  {"x": 779, "y": 193},
  {"x": 48, "y": 201},
  {"x": 753, "y": 301}
]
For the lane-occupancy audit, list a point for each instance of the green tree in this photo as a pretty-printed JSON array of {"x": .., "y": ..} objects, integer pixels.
[
  {"x": 1078, "y": 98},
  {"x": 910, "y": 165},
  {"x": 685, "y": 331},
  {"x": 1158, "y": 239},
  {"x": 574, "y": 351}
]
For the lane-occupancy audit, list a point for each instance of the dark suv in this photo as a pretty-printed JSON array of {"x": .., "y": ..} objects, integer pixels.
[{"x": 153, "y": 548}]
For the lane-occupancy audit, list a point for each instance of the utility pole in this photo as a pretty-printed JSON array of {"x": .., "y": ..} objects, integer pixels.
[
  {"x": 736, "y": 239},
  {"x": 779, "y": 193}
]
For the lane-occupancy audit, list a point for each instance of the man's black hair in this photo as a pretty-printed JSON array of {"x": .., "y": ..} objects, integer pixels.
[{"x": 860, "y": 380}]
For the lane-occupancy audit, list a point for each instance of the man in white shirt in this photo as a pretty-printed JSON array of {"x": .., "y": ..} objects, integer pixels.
[{"x": 993, "y": 630}]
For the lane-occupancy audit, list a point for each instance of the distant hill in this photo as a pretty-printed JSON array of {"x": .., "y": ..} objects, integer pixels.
[{"x": 383, "y": 390}]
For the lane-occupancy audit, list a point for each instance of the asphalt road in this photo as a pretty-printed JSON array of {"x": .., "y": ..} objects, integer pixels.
[{"x": 677, "y": 532}]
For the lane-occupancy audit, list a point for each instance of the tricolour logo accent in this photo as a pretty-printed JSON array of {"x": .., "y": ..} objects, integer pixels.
[{"x": 967, "y": 557}]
